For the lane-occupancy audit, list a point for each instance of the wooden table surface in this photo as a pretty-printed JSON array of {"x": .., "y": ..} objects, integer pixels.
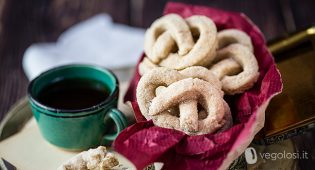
[{"x": 30, "y": 21}]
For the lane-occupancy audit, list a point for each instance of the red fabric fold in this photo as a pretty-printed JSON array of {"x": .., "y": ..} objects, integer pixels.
[{"x": 143, "y": 143}]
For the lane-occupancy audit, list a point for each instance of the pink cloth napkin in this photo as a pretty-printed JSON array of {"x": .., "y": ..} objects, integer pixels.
[{"x": 143, "y": 143}]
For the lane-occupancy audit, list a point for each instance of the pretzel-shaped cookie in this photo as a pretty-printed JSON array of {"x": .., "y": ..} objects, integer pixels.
[
  {"x": 170, "y": 32},
  {"x": 201, "y": 115},
  {"x": 164, "y": 33},
  {"x": 235, "y": 64},
  {"x": 233, "y": 36},
  {"x": 185, "y": 89}
]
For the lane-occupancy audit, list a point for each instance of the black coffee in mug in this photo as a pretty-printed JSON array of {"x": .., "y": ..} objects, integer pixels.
[{"x": 73, "y": 94}]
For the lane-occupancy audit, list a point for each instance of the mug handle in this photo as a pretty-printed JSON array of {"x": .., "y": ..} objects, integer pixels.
[{"x": 120, "y": 121}]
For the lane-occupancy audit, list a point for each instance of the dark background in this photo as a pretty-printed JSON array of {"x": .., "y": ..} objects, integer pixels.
[{"x": 23, "y": 22}]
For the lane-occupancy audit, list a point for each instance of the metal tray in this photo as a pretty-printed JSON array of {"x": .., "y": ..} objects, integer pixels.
[{"x": 293, "y": 111}]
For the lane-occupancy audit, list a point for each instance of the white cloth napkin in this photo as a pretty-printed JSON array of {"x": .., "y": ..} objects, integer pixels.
[{"x": 96, "y": 41}]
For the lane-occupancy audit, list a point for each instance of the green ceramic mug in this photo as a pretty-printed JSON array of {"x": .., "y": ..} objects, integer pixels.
[{"x": 78, "y": 129}]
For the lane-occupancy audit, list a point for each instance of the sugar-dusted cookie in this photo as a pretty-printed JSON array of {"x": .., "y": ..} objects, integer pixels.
[
  {"x": 162, "y": 90},
  {"x": 237, "y": 68},
  {"x": 178, "y": 43},
  {"x": 92, "y": 159}
]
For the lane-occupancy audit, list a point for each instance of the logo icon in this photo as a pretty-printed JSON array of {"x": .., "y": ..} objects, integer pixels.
[{"x": 251, "y": 155}]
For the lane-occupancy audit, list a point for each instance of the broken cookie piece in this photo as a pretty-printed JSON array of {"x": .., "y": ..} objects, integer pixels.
[{"x": 93, "y": 159}]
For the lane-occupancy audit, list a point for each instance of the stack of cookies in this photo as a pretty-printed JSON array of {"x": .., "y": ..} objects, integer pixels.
[{"x": 187, "y": 69}]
